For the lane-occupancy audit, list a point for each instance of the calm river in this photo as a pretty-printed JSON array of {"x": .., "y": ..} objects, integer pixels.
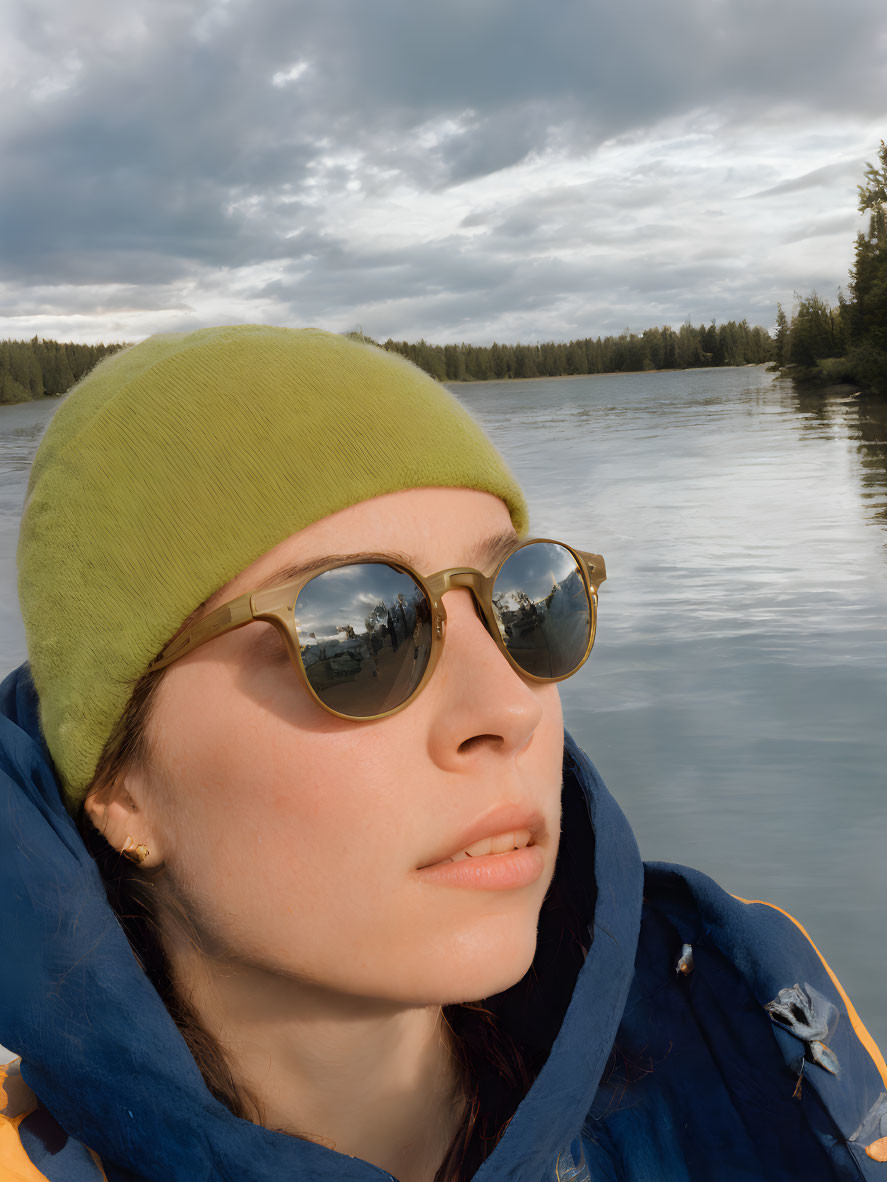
[{"x": 735, "y": 702}]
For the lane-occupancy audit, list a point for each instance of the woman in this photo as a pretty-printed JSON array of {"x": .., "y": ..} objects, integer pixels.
[{"x": 383, "y": 926}]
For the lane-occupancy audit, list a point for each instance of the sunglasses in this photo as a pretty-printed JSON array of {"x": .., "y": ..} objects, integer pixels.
[{"x": 365, "y": 636}]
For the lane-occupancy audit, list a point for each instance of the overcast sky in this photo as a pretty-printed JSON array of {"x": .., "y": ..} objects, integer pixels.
[{"x": 454, "y": 169}]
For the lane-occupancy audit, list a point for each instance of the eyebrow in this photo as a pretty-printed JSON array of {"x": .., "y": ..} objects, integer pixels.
[{"x": 487, "y": 551}]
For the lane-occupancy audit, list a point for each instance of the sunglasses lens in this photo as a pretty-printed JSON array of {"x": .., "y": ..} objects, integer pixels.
[
  {"x": 365, "y": 636},
  {"x": 543, "y": 610}
]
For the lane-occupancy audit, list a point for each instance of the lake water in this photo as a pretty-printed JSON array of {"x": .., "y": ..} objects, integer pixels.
[{"x": 736, "y": 698}]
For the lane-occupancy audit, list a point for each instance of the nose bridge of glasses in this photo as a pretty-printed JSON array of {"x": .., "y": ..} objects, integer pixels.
[{"x": 450, "y": 580}]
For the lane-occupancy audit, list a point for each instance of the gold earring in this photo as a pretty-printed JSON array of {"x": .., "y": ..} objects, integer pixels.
[{"x": 135, "y": 853}]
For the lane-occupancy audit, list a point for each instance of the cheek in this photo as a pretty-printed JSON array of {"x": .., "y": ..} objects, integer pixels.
[
  {"x": 282, "y": 832},
  {"x": 546, "y": 750}
]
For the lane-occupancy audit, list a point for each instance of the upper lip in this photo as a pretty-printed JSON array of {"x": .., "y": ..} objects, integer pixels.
[{"x": 504, "y": 818}]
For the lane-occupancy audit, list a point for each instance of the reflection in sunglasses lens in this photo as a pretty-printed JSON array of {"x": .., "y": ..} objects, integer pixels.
[
  {"x": 542, "y": 609},
  {"x": 365, "y": 629},
  {"x": 365, "y": 637}
]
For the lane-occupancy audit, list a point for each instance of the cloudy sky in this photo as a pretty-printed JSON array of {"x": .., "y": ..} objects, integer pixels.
[{"x": 453, "y": 169}]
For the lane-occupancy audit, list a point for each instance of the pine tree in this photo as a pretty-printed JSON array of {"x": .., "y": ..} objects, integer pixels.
[
  {"x": 781, "y": 340},
  {"x": 848, "y": 342},
  {"x": 866, "y": 311}
]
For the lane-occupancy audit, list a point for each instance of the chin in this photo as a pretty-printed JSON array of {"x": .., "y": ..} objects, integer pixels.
[
  {"x": 488, "y": 984},
  {"x": 482, "y": 964}
]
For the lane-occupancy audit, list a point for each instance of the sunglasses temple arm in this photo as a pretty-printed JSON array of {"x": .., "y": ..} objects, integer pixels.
[
  {"x": 230, "y": 615},
  {"x": 595, "y": 566}
]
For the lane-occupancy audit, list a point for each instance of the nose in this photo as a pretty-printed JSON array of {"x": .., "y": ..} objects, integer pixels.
[{"x": 483, "y": 708}]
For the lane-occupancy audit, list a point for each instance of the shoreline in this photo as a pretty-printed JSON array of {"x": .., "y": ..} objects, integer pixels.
[
  {"x": 31, "y": 401},
  {"x": 610, "y": 373},
  {"x": 561, "y": 377}
]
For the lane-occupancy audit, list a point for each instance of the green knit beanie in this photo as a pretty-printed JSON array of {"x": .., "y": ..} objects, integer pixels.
[{"x": 177, "y": 463}]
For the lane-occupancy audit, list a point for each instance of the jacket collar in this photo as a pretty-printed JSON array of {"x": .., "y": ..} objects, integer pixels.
[{"x": 102, "y": 1053}]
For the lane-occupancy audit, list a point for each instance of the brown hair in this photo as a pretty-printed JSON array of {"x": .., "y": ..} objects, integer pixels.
[{"x": 500, "y": 1043}]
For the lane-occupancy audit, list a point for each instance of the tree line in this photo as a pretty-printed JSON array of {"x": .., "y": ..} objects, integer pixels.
[
  {"x": 655, "y": 348},
  {"x": 847, "y": 342},
  {"x": 31, "y": 369},
  {"x": 38, "y": 367}
]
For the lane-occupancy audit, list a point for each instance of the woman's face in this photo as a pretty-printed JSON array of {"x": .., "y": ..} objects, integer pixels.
[{"x": 294, "y": 837}]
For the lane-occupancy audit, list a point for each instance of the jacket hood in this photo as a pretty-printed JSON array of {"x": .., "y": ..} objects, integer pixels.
[{"x": 102, "y": 1053}]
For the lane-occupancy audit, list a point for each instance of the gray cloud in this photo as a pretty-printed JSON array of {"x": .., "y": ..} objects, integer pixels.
[
  {"x": 843, "y": 224},
  {"x": 166, "y": 151},
  {"x": 840, "y": 171}
]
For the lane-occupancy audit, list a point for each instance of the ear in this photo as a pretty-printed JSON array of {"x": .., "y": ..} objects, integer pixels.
[{"x": 117, "y": 814}]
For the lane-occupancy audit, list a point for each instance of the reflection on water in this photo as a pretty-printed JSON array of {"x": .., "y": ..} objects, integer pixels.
[
  {"x": 864, "y": 421},
  {"x": 734, "y": 701}
]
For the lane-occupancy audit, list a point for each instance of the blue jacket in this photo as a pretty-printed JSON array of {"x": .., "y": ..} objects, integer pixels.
[{"x": 707, "y": 1082}]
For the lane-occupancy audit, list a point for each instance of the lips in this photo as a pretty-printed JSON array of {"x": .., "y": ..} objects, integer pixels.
[
  {"x": 501, "y": 844},
  {"x": 509, "y": 819}
]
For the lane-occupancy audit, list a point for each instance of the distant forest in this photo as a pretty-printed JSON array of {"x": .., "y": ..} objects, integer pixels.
[
  {"x": 847, "y": 343},
  {"x": 30, "y": 369},
  {"x": 655, "y": 348}
]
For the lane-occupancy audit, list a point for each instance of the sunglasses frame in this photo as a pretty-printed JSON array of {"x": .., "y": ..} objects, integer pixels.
[{"x": 277, "y": 606}]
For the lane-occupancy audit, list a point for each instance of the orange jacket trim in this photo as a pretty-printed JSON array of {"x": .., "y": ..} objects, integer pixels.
[
  {"x": 861, "y": 1033},
  {"x": 16, "y": 1102}
]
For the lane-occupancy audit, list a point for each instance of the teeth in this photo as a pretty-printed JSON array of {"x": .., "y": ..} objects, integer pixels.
[{"x": 495, "y": 845}]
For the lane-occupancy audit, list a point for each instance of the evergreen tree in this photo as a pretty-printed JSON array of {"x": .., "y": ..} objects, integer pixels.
[
  {"x": 781, "y": 340},
  {"x": 867, "y": 319},
  {"x": 814, "y": 333},
  {"x": 30, "y": 369},
  {"x": 848, "y": 342}
]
